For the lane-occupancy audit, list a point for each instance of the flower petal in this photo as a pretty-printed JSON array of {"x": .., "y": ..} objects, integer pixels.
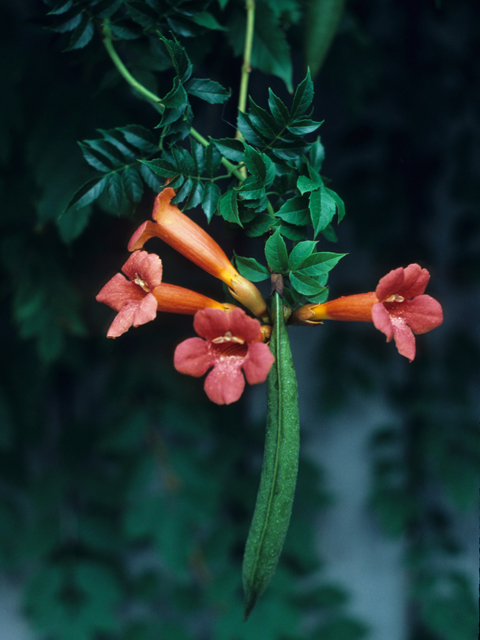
[
  {"x": 415, "y": 281},
  {"x": 123, "y": 320},
  {"x": 211, "y": 323},
  {"x": 144, "y": 232},
  {"x": 422, "y": 314},
  {"x": 258, "y": 362},
  {"x": 147, "y": 266},
  {"x": 390, "y": 284},
  {"x": 404, "y": 338},
  {"x": 244, "y": 327},
  {"x": 118, "y": 291},
  {"x": 146, "y": 310},
  {"x": 192, "y": 357},
  {"x": 382, "y": 321},
  {"x": 225, "y": 383}
]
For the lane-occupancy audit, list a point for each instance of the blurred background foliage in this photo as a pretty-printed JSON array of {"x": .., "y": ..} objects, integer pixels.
[{"x": 125, "y": 496}]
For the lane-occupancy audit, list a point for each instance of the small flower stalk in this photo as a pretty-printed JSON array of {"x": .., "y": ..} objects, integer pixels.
[{"x": 397, "y": 307}]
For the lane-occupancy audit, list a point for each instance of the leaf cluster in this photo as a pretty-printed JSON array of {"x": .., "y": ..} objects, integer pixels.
[{"x": 128, "y": 20}]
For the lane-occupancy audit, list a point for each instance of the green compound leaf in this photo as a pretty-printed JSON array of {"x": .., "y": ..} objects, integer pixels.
[
  {"x": 301, "y": 251},
  {"x": 251, "y": 269},
  {"x": 228, "y": 207},
  {"x": 306, "y": 285},
  {"x": 322, "y": 209},
  {"x": 276, "y": 253},
  {"x": 210, "y": 198},
  {"x": 207, "y": 90},
  {"x": 279, "y": 472}
]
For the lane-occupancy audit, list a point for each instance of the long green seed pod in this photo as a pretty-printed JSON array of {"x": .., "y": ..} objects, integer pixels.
[{"x": 280, "y": 464}]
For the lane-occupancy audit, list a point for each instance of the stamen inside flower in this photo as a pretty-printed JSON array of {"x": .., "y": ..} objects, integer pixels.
[
  {"x": 141, "y": 283},
  {"x": 228, "y": 338},
  {"x": 394, "y": 298}
]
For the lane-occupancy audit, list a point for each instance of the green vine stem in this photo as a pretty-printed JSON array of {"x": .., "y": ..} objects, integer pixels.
[
  {"x": 247, "y": 57},
  {"x": 157, "y": 102},
  {"x": 152, "y": 97}
]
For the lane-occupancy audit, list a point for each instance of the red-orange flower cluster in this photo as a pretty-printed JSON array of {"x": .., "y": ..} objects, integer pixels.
[{"x": 139, "y": 296}]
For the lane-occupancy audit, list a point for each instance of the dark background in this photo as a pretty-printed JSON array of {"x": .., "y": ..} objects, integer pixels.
[{"x": 125, "y": 497}]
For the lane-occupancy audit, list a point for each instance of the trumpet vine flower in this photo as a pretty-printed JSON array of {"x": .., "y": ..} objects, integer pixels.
[
  {"x": 186, "y": 237},
  {"x": 397, "y": 307},
  {"x": 138, "y": 297},
  {"x": 229, "y": 342}
]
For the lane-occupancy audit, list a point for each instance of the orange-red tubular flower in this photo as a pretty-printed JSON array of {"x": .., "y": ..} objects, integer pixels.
[
  {"x": 398, "y": 308},
  {"x": 186, "y": 237},
  {"x": 138, "y": 296},
  {"x": 173, "y": 299}
]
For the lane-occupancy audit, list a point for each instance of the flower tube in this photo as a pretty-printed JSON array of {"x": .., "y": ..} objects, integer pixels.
[
  {"x": 397, "y": 307},
  {"x": 138, "y": 297},
  {"x": 186, "y": 237}
]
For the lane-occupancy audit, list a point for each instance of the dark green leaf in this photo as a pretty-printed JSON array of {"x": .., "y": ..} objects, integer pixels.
[
  {"x": 115, "y": 191},
  {"x": 279, "y": 111},
  {"x": 305, "y": 285},
  {"x": 60, "y": 7},
  {"x": 293, "y": 232},
  {"x": 322, "y": 19},
  {"x": 117, "y": 140},
  {"x": 140, "y": 137},
  {"x": 317, "y": 154},
  {"x": 228, "y": 207},
  {"x": 304, "y": 184},
  {"x": 230, "y": 149},
  {"x": 72, "y": 223},
  {"x": 263, "y": 121},
  {"x": 161, "y": 168},
  {"x": 329, "y": 234},
  {"x": 248, "y": 131},
  {"x": 205, "y": 19},
  {"x": 104, "y": 148},
  {"x": 69, "y": 21},
  {"x": 87, "y": 194},
  {"x": 319, "y": 263},
  {"x": 322, "y": 209},
  {"x": 251, "y": 269},
  {"x": 303, "y": 127},
  {"x": 150, "y": 178},
  {"x": 207, "y": 90},
  {"x": 177, "y": 97},
  {"x": 339, "y": 202},
  {"x": 213, "y": 159},
  {"x": 82, "y": 35},
  {"x": 96, "y": 160},
  {"x": 251, "y": 189},
  {"x": 255, "y": 163},
  {"x": 260, "y": 225},
  {"x": 295, "y": 211},
  {"x": 179, "y": 57},
  {"x": 125, "y": 30},
  {"x": 211, "y": 196},
  {"x": 301, "y": 251},
  {"x": 276, "y": 253},
  {"x": 270, "y": 52},
  {"x": 132, "y": 184},
  {"x": 303, "y": 97}
]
